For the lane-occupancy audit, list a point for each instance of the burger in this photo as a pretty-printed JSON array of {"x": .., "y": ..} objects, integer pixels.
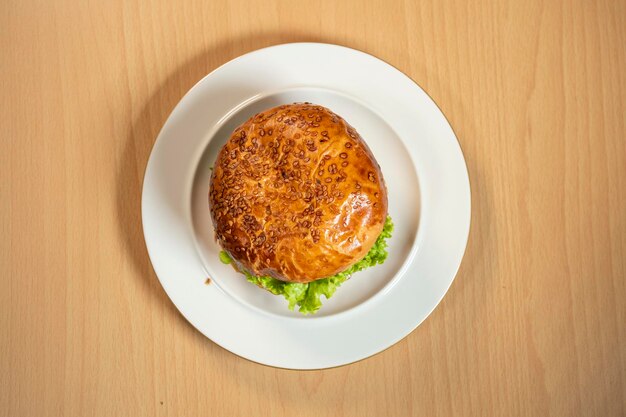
[{"x": 299, "y": 203}]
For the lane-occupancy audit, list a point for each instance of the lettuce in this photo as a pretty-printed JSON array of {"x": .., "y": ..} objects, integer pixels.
[{"x": 308, "y": 296}]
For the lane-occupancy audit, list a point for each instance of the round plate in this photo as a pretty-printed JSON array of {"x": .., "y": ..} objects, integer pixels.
[{"x": 429, "y": 202}]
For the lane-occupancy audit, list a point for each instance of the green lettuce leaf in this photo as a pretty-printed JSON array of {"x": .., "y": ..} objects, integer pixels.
[{"x": 308, "y": 296}]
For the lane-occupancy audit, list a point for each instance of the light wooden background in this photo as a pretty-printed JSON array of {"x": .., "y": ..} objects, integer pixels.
[{"x": 535, "y": 323}]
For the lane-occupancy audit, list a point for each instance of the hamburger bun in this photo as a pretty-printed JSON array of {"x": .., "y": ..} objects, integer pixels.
[{"x": 296, "y": 194}]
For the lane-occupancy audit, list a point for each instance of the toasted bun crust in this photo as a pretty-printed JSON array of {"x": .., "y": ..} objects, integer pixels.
[{"x": 296, "y": 194}]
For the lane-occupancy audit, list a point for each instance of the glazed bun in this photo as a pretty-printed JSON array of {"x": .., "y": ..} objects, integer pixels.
[{"x": 296, "y": 194}]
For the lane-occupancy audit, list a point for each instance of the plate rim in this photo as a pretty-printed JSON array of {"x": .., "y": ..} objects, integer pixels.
[{"x": 405, "y": 265}]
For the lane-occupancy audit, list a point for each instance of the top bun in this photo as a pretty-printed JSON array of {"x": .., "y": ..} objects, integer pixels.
[{"x": 296, "y": 194}]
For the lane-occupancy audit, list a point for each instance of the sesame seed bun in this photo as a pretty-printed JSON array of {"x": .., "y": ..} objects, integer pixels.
[{"x": 296, "y": 194}]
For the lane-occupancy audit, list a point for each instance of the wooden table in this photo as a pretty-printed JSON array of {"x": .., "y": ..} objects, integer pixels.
[{"x": 534, "y": 324}]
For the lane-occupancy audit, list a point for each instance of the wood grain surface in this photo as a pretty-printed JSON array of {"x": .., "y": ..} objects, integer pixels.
[{"x": 534, "y": 324}]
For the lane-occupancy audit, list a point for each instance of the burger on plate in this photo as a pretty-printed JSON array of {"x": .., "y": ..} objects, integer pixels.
[{"x": 299, "y": 203}]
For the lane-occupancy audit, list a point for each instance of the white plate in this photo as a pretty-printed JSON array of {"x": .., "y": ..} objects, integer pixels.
[{"x": 429, "y": 201}]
